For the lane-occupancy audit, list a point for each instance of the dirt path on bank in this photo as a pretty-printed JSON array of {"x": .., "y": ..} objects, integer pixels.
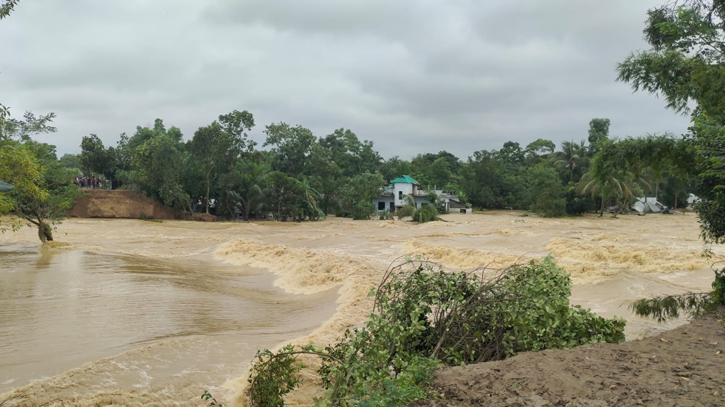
[{"x": 681, "y": 367}]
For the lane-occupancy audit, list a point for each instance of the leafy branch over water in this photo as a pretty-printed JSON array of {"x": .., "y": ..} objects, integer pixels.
[{"x": 423, "y": 318}]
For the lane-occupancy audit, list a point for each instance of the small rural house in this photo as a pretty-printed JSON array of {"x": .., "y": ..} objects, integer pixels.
[
  {"x": 648, "y": 204},
  {"x": 393, "y": 197}
]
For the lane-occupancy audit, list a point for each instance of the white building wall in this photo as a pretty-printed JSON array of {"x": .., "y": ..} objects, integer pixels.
[
  {"x": 386, "y": 201},
  {"x": 401, "y": 190},
  {"x": 420, "y": 200}
]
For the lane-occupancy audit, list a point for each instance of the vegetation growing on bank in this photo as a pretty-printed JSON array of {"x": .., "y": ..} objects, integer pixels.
[
  {"x": 686, "y": 65},
  {"x": 43, "y": 190},
  {"x": 302, "y": 176},
  {"x": 423, "y": 318}
]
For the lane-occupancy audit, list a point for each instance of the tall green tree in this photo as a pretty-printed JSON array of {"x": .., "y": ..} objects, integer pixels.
[
  {"x": 598, "y": 131},
  {"x": 686, "y": 62},
  {"x": 686, "y": 65},
  {"x": 495, "y": 180},
  {"x": 43, "y": 190},
  {"x": 395, "y": 167},
  {"x": 612, "y": 180},
  {"x": 23, "y": 129},
  {"x": 6, "y": 7},
  {"x": 350, "y": 154},
  {"x": 158, "y": 166},
  {"x": 327, "y": 177},
  {"x": 20, "y": 168},
  {"x": 96, "y": 158},
  {"x": 286, "y": 196},
  {"x": 572, "y": 156},
  {"x": 246, "y": 185},
  {"x": 434, "y": 169},
  {"x": 216, "y": 148},
  {"x": 538, "y": 150},
  {"x": 291, "y": 147},
  {"x": 236, "y": 125},
  {"x": 72, "y": 163},
  {"x": 547, "y": 193},
  {"x": 358, "y": 195}
]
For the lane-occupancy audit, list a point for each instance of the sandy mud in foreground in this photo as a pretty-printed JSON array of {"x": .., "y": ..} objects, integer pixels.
[
  {"x": 612, "y": 261},
  {"x": 682, "y": 367}
]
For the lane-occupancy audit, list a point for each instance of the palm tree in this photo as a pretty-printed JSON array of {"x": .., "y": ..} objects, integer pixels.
[
  {"x": 249, "y": 196},
  {"x": 311, "y": 196},
  {"x": 572, "y": 155},
  {"x": 611, "y": 183},
  {"x": 425, "y": 213}
]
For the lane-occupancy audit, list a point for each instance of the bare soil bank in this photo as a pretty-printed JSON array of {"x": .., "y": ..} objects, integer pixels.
[
  {"x": 99, "y": 203},
  {"x": 682, "y": 367}
]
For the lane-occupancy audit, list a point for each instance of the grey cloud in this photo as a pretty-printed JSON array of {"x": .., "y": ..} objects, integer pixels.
[{"x": 411, "y": 75}]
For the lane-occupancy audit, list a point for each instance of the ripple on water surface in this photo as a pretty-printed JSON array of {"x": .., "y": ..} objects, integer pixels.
[{"x": 138, "y": 324}]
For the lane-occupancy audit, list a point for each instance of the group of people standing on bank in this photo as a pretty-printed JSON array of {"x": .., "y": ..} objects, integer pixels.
[{"x": 89, "y": 182}]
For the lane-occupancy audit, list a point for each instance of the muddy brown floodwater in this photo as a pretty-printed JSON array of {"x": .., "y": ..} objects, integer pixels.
[
  {"x": 166, "y": 328},
  {"x": 129, "y": 312}
]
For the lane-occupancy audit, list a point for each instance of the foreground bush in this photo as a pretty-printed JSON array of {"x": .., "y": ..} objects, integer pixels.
[{"x": 424, "y": 318}]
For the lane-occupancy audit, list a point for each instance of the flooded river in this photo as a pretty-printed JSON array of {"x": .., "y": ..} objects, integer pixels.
[
  {"x": 126, "y": 312},
  {"x": 165, "y": 327}
]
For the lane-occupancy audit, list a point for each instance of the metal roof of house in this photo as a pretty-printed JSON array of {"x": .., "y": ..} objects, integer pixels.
[
  {"x": 4, "y": 186},
  {"x": 405, "y": 179}
]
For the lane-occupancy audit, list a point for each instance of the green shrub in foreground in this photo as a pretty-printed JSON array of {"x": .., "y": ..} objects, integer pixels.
[{"x": 423, "y": 318}]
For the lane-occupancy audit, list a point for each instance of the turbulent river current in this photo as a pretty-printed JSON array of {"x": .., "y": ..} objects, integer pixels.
[
  {"x": 134, "y": 313},
  {"x": 84, "y": 321}
]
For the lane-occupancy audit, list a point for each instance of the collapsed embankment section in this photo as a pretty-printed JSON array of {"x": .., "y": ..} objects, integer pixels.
[{"x": 99, "y": 203}]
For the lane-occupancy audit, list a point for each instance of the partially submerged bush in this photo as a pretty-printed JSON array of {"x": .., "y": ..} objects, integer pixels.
[
  {"x": 363, "y": 210},
  {"x": 426, "y": 213},
  {"x": 424, "y": 317},
  {"x": 405, "y": 212},
  {"x": 669, "y": 307}
]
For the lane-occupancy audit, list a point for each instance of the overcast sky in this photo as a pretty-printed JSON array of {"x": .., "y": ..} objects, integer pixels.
[{"x": 411, "y": 75}]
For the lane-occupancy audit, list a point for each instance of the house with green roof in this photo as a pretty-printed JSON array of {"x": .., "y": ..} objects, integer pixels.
[{"x": 393, "y": 197}]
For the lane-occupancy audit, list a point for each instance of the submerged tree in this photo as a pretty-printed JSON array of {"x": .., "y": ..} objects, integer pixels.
[
  {"x": 43, "y": 192},
  {"x": 427, "y": 212}
]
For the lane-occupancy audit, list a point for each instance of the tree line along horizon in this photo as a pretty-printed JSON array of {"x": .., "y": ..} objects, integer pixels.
[
  {"x": 336, "y": 173},
  {"x": 304, "y": 177}
]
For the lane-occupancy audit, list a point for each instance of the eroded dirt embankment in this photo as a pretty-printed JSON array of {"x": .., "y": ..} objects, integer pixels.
[
  {"x": 681, "y": 367},
  {"x": 101, "y": 203}
]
